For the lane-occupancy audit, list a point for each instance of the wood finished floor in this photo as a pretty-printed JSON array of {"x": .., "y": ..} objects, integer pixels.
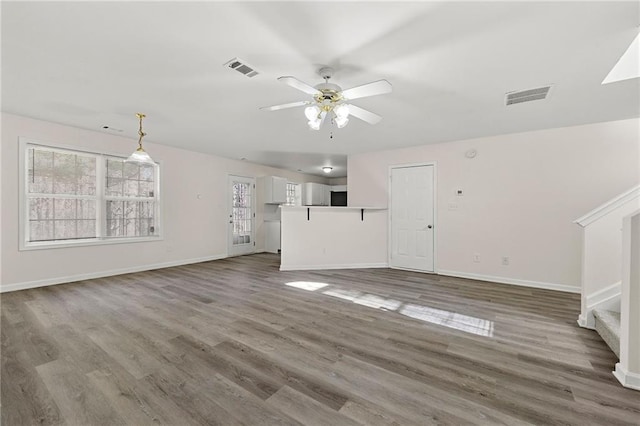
[{"x": 228, "y": 342}]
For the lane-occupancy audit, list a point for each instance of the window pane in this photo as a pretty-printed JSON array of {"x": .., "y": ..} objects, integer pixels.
[
  {"x": 131, "y": 188},
  {"x": 131, "y": 170},
  {"x": 56, "y": 172},
  {"x": 64, "y": 208},
  {"x": 40, "y": 208},
  {"x": 64, "y": 173},
  {"x": 42, "y": 162},
  {"x": 114, "y": 187},
  {"x": 86, "y": 228},
  {"x": 86, "y": 209},
  {"x": 147, "y": 172},
  {"x": 64, "y": 229},
  {"x": 146, "y": 189},
  {"x": 61, "y": 218},
  {"x": 129, "y": 179},
  {"x": 86, "y": 175},
  {"x": 41, "y": 230},
  {"x": 114, "y": 168},
  {"x": 41, "y": 184},
  {"x": 130, "y": 218}
]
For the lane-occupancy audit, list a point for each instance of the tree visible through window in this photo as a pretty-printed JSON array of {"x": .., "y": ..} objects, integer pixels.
[
  {"x": 129, "y": 195},
  {"x": 72, "y": 195},
  {"x": 62, "y": 195},
  {"x": 241, "y": 213}
]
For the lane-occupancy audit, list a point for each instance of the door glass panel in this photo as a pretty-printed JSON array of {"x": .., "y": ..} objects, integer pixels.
[{"x": 241, "y": 213}]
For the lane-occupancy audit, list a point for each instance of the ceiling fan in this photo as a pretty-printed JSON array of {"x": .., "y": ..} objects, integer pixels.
[{"x": 330, "y": 99}]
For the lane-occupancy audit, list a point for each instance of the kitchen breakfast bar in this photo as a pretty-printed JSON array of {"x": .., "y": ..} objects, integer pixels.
[{"x": 317, "y": 237}]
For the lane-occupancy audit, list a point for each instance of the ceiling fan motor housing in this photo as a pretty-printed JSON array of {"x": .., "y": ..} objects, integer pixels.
[{"x": 328, "y": 92}]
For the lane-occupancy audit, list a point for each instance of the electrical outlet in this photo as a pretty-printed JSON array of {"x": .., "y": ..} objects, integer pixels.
[
  {"x": 476, "y": 258},
  {"x": 505, "y": 260}
]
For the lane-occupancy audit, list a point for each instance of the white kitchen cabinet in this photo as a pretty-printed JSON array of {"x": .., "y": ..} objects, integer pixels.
[
  {"x": 275, "y": 189},
  {"x": 272, "y": 236},
  {"x": 316, "y": 194}
]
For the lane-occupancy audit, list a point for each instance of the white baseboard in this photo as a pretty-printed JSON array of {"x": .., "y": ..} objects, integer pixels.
[
  {"x": 584, "y": 322},
  {"x": 604, "y": 295},
  {"x": 626, "y": 378},
  {"x": 102, "y": 274},
  {"x": 514, "y": 281},
  {"x": 607, "y": 298},
  {"x": 333, "y": 266}
]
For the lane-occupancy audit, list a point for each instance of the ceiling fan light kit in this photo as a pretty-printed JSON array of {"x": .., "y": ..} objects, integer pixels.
[{"x": 330, "y": 99}]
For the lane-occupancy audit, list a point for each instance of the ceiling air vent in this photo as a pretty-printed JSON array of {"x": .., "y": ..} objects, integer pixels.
[
  {"x": 242, "y": 67},
  {"x": 526, "y": 95}
]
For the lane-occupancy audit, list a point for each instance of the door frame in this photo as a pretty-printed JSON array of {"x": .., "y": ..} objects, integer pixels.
[
  {"x": 435, "y": 213},
  {"x": 229, "y": 196}
]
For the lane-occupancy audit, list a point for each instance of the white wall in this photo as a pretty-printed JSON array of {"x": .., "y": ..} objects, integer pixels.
[
  {"x": 193, "y": 228},
  {"x": 333, "y": 238},
  {"x": 338, "y": 181},
  {"x": 521, "y": 194}
]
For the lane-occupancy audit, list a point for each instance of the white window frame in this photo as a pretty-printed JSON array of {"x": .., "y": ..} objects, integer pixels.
[
  {"x": 298, "y": 194},
  {"x": 100, "y": 197}
]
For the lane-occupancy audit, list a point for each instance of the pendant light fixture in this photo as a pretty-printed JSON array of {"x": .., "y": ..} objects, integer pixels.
[{"x": 140, "y": 155}]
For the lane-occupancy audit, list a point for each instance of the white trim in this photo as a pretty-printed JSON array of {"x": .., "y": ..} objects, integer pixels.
[
  {"x": 604, "y": 298},
  {"x": 604, "y": 295},
  {"x": 413, "y": 270},
  {"x": 434, "y": 205},
  {"x": 81, "y": 277},
  {"x": 584, "y": 323},
  {"x": 514, "y": 281},
  {"x": 609, "y": 206},
  {"x": 626, "y": 378},
  {"x": 334, "y": 266},
  {"x": 48, "y": 245}
]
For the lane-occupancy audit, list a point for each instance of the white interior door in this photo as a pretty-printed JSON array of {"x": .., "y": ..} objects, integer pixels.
[
  {"x": 241, "y": 215},
  {"x": 412, "y": 224}
]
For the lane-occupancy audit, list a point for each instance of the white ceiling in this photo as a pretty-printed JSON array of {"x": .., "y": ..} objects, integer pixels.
[{"x": 89, "y": 64}]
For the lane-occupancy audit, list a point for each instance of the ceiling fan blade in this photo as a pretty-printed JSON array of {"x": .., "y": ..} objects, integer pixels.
[
  {"x": 363, "y": 114},
  {"x": 370, "y": 89},
  {"x": 284, "y": 106},
  {"x": 300, "y": 85}
]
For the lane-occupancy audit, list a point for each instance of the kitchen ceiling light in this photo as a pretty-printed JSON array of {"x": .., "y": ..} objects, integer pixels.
[
  {"x": 327, "y": 169},
  {"x": 140, "y": 155}
]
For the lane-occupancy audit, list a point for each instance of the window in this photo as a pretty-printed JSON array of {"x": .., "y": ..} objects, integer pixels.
[
  {"x": 294, "y": 197},
  {"x": 74, "y": 197}
]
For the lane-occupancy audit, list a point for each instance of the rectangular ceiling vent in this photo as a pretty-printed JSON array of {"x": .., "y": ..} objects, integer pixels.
[
  {"x": 242, "y": 67},
  {"x": 526, "y": 95}
]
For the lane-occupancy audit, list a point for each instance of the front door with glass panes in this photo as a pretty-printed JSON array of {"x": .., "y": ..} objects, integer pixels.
[{"x": 241, "y": 215}]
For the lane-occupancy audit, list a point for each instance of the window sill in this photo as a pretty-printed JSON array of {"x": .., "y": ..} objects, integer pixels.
[{"x": 44, "y": 245}]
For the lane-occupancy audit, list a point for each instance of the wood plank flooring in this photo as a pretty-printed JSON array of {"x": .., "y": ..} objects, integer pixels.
[{"x": 236, "y": 341}]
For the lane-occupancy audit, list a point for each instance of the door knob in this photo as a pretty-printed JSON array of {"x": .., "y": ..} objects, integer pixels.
[{"x": 429, "y": 226}]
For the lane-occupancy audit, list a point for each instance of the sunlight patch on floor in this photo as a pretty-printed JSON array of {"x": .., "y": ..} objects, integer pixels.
[{"x": 466, "y": 323}]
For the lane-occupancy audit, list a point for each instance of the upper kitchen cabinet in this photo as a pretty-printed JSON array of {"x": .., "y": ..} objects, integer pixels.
[
  {"x": 316, "y": 194},
  {"x": 275, "y": 189}
]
